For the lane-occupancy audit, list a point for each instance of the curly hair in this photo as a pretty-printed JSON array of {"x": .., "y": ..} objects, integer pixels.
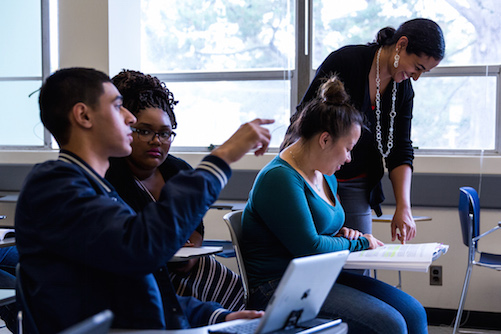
[{"x": 141, "y": 91}]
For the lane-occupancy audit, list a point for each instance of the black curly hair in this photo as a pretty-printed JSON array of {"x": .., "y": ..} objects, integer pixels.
[{"x": 141, "y": 91}]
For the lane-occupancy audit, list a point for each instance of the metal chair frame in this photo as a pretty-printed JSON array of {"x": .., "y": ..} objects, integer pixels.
[
  {"x": 469, "y": 216},
  {"x": 25, "y": 322},
  {"x": 233, "y": 221}
]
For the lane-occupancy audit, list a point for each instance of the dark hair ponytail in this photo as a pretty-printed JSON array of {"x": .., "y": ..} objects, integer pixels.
[
  {"x": 329, "y": 112},
  {"x": 424, "y": 35}
]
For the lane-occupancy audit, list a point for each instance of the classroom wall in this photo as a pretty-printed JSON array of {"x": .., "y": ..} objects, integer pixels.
[
  {"x": 484, "y": 292},
  {"x": 84, "y": 42}
]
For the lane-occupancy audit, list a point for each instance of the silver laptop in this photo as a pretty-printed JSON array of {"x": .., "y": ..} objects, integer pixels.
[
  {"x": 99, "y": 323},
  {"x": 298, "y": 298}
]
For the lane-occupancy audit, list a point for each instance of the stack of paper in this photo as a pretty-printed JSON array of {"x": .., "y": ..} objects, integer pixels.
[{"x": 409, "y": 257}]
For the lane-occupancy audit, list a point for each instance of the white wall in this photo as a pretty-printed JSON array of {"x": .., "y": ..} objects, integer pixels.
[
  {"x": 484, "y": 292},
  {"x": 84, "y": 42}
]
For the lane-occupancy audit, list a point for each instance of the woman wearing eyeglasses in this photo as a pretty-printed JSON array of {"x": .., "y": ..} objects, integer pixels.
[{"x": 140, "y": 177}]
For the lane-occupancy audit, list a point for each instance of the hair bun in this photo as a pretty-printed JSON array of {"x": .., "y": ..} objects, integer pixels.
[
  {"x": 332, "y": 91},
  {"x": 385, "y": 35}
]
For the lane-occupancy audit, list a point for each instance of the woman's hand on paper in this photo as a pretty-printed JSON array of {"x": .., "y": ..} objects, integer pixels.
[{"x": 373, "y": 242}]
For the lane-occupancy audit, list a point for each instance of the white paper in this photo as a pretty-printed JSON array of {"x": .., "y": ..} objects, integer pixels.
[
  {"x": 189, "y": 252},
  {"x": 409, "y": 257}
]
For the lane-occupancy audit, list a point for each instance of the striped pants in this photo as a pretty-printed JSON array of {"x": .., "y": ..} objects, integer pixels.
[{"x": 209, "y": 280}]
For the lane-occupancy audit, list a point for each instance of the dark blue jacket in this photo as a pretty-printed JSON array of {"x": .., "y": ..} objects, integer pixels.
[{"x": 83, "y": 250}]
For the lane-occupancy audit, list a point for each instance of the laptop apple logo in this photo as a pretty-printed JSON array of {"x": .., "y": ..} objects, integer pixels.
[{"x": 305, "y": 294}]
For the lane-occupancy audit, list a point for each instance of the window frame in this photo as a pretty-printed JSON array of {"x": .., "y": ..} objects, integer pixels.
[
  {"x": 299, "y": 76},
  {"x": 470, "y": 71},
  {"x": 303, "y": 72},
  {"x": 45, "y": 54}
]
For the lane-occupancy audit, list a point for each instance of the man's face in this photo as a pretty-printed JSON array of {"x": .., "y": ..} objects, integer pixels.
[{"x": 112, "y": 123}]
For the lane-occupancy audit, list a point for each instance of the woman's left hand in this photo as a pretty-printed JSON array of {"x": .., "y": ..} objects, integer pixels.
[
  {"x": 246, "y": 314},
  {"x": 349, "y": 233},
  {"x": 403, "y": 226}
]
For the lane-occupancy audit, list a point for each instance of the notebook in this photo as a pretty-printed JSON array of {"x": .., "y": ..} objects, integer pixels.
[{"x": 298, "y": 298}]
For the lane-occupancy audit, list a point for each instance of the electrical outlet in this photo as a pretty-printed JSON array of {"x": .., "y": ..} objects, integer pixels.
[{"x": 435, "y": 275}]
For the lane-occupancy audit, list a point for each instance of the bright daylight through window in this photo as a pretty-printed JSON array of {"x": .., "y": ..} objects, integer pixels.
[
  {"x": 455, "y": 105},
  {"x": 20, "y": 73},
  {"x": 229, "y": 61}
]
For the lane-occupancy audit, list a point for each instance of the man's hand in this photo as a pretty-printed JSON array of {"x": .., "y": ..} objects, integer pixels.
[
  {"x": 249, "y": 136},
  {"x": 244, "y": 315}
]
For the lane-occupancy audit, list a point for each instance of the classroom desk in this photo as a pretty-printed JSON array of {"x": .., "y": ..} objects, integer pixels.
[
  {"x": 339, "y": 329},
  {"x": 188, "y": 253},
  {"x": 388, "y": 219},
  {"x": 232, "y": 206},
  {"x": 7, "y": 296},
  {"x": 7, "y": 242}
]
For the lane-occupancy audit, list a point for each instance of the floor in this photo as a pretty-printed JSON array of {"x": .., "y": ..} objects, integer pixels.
[{"x": 448, "y": 330}]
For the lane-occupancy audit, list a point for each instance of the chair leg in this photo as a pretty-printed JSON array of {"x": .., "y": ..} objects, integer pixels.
[{"x": 457, "y": 323}]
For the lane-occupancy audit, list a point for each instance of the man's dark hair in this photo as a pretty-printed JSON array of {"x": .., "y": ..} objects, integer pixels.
[{"x": 61, "y": 91}]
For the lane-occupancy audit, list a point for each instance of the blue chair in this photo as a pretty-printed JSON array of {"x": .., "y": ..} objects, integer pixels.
[{"x": 469, "y": 216}]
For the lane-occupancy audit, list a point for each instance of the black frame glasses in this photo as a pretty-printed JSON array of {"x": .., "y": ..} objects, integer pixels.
[{"x": 148, "y": 135}]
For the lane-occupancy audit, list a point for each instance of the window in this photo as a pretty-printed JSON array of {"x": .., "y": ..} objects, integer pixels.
[
  {"x": 226, "y": 61},
  {"x": 456, "y": 105},
  {"x": 23, "y": 64}
]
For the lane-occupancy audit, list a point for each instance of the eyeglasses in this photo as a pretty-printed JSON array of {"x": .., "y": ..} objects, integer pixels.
[{"x": 148, "y": 135}]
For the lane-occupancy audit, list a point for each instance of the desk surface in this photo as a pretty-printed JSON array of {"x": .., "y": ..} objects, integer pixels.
[
  {"x": 7, "y": 242},
  {"x": 389, "y": 218},
  {"x": 186, "y": 253},
  {"x": 7, "y": 296},
  {"x": 339, "y": 329},
  {"x": 233, "y": 206}
]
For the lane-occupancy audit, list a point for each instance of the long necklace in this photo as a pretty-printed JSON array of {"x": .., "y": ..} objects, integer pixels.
[
  {"x": 315, "y": 181},
  {"x": 393, "y": 113}
]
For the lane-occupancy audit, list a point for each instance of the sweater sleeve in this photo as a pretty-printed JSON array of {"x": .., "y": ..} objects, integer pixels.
[
  {"x": 279, "y": 198},
  {"x": 78, "y": 221},
  {"x": 202, "y": 313}
]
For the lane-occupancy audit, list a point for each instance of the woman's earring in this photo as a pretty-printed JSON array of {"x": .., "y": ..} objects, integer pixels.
[{"x": 397, "y": 58}]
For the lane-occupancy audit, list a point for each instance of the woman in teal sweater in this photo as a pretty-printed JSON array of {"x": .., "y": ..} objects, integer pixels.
[{"x": 293, "y": 211}]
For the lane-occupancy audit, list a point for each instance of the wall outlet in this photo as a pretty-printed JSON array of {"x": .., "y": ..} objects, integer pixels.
[{"x": 435, "y": 275}]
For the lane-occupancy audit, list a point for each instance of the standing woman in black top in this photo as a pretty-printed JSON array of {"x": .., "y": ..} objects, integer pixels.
[{"x": 377, "y": 78}]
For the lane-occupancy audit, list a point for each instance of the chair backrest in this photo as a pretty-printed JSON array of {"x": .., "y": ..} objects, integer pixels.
[
  {"x": 469, "y": 214},
  {"x": 26, "y": 323},
  {"x": 234, "y": 222}
]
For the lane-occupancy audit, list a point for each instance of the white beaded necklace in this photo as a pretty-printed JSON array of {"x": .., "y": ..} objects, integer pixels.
[{"x": 378, "y": 111}]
